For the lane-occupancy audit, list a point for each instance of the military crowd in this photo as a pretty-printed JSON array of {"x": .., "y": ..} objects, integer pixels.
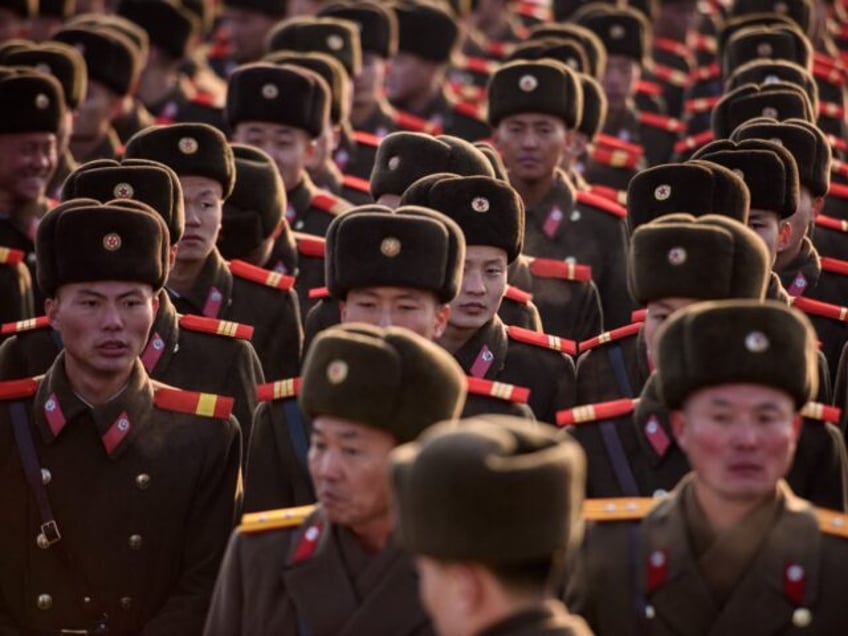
[{"x": 388, "y": 317}]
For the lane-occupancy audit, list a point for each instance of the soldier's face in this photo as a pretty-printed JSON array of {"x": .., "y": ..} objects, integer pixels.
[
  {"x": 203, "y": 211},
  {"x": 739, "y": 439},
  {"x": 248, "y": 30},
  {"x": 417, "y": 310},
  {"x": 767, "y": 226},
  {"x": 11, "y": 25},
  {"x": 104, "y": 325},
  {"x": 619, "y": 80},
  {"x": 290, "y": 148},
  {"x": 27, "y": 161},
  {"x": 409, "y": 77},
  {"x": 531, "y": 144},
  {"x": 348, "y": 465},
  {"x": 658, "y": 312},
  {"x": 483, "y": 287},
  {"x": 95, "y": 113},
  {"x": 368, "y": 85}
]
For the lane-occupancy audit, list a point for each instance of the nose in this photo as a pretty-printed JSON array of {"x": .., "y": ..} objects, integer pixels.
[
  {"x": 111, "y": 317},
  {"x": 385, "y": 318},
  {"x": 327, "y": 465},
  {"x": 745, "y": 433},
  {"x": 192, "y": 218},
  {"x": 472, "y": 283},
  {"x": 41, "y": 160}
]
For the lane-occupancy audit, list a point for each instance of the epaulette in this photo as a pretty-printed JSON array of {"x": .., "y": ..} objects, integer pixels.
[
  {"x": 614, "y": 143},
  {"x": 618, "y": 509},
  {"x": 18, "y": 389},
  {"x": 410, "y": 122},
  {"x": 822, "y": 412},
  {"x": 837, "y": 142},
  {"x": 646, "y": 87},
  {"x": 30, "y": 324},
  {"x": 698, "y": 105},
  {"x": 832, "y": 110},
  {"x": 328, "y": 203},
  {"x": 834, "y": 266},
  {"x": 194, "y": 403},
  {"x": 611, "y": 336},
  {"x": 552, "y": 268},
  {"x": 516, "y": 295},
  {"x": 205, "y": 98},
  {"x": 661, "y": 122},
  {"x": 594, "y": 412},
  {"x": 605, "y": 205},
  {"x": 499, "y": 49},
  {"x": 704, "y": 73},
  {"x": 254, "y": 522},
  {"x": 543, "y": 340},
  {"x": 9, "y": 256},
  {"x": 216, "y": 327},
  {"x": 819, "y": 308},
  {"x": 366, "y": 138},
  {"x": 317, "y": 293},
  {"x": 308, "y": 245},
  {"x": 279, "y": 390},
  {"x": 693, "y": 142},
  {"x": 500, "y": 390},
  {"x": 466, "y": 93},
  {"x": 356, "y": 183},
  {"x": 838, "y": 190},
  {"x": 611, "y": 194},
  {"x": 670, "y": 75},
  {"x": 831, "y": 223},
  {"x": 703, "y": 42},
  {"x": 638, "y": 315},
  {"x": 838, "y": 167},
  {"x": 534, "y": 11},
  {"x": 832, "y": 522},
  {"x": 614, "y": 158},
  {"x": 262, "y": 276},
  {"x": 469, "y": 110},
  {"x": 829, "y": 73},
  {"x": 478, "y": 65},
  {"x": 672, "y": 46}
]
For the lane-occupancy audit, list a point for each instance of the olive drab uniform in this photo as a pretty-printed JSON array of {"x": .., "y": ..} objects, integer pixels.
[
  {"x": 189, "y": 352},
  {"x": 319, "y": 580},
  {"x": 612, "y": 365},
  {"x": 651, "y": 567},
  {"x": 15, "y": 287},
  {"x": 147, "y": 482},
  {"x": 253, "y": 296},
  {"x": 311, "y": 210}
]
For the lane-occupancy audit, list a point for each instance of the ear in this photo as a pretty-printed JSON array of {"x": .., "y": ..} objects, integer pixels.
[
  {"x": 678, "y": 427},
  {"x": 172, "y": 256},
  {"x": 342, "y": 311},
  {"x": 797, "y": 423},
  {"x": 818, "y": 204},
  {"x": 51, "y": 309},
  {"x": 155, "y": 300},
  {"x": 784, "y": 235},
  {"x": 442, "y": 316},
  {"x": 468, "y": 586},
  {"x": 310, "y": 148}
]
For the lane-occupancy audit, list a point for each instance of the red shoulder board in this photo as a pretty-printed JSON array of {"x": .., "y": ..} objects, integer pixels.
[
  {"x": 838, "y": 190},
  {"x": 834, "y": 266},
  {"x": 614, "y": 143},
  {"x": 649, "y": 88},
  {"x": 52, "y": 203},
  {"x": 702, "y": 42},
  {"x": 518, "y": 295},
  {"x": 614, "y": 158},
  {"x": 11, "y": 257},
  {"x": 366, "y": 138},
  {"x": 356, "y": 183},
  {"x": 837, "y": 142},
  {"x": 500, "y": 390},
  {"x": 204, "y": 98},
  {"x": 611, "y": 336},
  {"x": 611, "y": 194},
  {"x": 704, "y": 73},
  {"x": 829, "y": 109},
  {"x": 672, "y": 46},
  {"x": 670, "y": 75},
  {"x": 827, "y": 72},
  {"x": 31, "y": 324},
  {"x": 216, "y": 327},
  {"x": 309, "y": 245},
  {"x": 410, "y": 122},
  {"x": 193, "y": 403},
  {"x": 839, "y": 167},
  {"x": 318, "y": 293},
  {"x": 819, "y": 308},
  {"x": 700, "y": 104},
  {"x": 822, "y": 412},
  {"x": 469, "y": 110},
  {"x": 17, "y": 389},
  {"x": 543, "y": 340},
  {"x": 478, "y": 65},
  {"x": 595, "y": 412},
  {"x": 262, "y": 276},
  {"x": 638, "y": 315},
  {"x": 831, "y": 223},
  {"x": 328, "y": 203},
  {"x": 663, "y": 122},
  {"x": 694, "y": 142},
  {"x": 534, "y": 10},
  {"x": 606, "y": 205},
  {"x": 279, "y": 390},
  {"x": 551, "y": 268},
  {"x": 498, "y": 49}
]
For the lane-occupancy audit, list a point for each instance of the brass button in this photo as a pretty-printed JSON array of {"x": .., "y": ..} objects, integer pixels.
[
  {"x": 41, "y": 541},
  {"x": 44, "y": 601},
  {"x": 136, "y": 541},
  {"x": 86, "y": 600},
  {"x": 46, "y": 477},
  {"x": 142, "y": 481},
  {"x": 126, "y": 602}
]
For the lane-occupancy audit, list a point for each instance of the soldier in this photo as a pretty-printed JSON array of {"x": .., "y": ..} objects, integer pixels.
[
  {"x": 486, "y": 477},
  {"x": 534, "y": 107},
  {"x": 336, "y": 569},
  {"x": 67, "y": 65},
  {"x": 189, "y": 352},
  {"x": 32, "y": 114},
  {"x": 247, "y": 23},
  {"x": 132, "y": 484},
  {"x": 704, "y": 557},
  {"x": 49, "y": 18},
  {"x": 201, "y": 282},
  {"x": 14, "y": 18},
  {"x": 113, "y": 69},
  {"x": 427, "y": 37},
  {"x": 262, "y": 112},
  {"x": 491, "y": 216}
]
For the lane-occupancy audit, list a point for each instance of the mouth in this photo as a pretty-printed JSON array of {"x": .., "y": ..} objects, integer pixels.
[
  {"x": 113, "y": 348},
  {"x": 745, "y": 469},
  {"x": 472, "y": 309}
]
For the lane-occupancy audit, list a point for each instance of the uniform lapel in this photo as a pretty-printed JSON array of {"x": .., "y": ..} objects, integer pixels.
[{"x": 484, "y": 355}]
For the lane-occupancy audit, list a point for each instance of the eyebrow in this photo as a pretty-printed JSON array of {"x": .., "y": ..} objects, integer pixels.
[
  {"x": 721, "y": 402},
  {"x": 96, "y": 294}
]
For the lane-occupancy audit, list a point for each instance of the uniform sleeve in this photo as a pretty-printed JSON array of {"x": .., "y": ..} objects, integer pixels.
[
  {"x": 12, "y": 362},
  {"x": 227, "y": 606},
  {"x": 209, "y": 523},
  {"x": 242, "y": 381},
  {"x": 280, "y": 355},
  {"x": 615, "y": 297},
  {"x": 589, "y": 318},
  {"x": 819, "y": 472},
  {"x": 840, "y": 390},
  {"x": 16, "y": 293}
]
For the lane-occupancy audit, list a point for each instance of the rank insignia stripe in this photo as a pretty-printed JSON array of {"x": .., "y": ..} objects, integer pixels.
[
  {"x": 834, "y": 266},
  {"x": 18, "y": 389},
  {"x": 11, "y": 257},
  {"x": 279, "y": 390},
  {"x": 356, "y": 183},
  {"x": 318, "y": 293},
  {"x": 216, "y": 327},
  {"x": 605, "y": 205},
  {"x": 543, "y": 340},
  {"x": 822, "y": 412},
  {"x": 618, "y": 509},
  {"x": 21, "y": 326},
  {"x": 255, "y": 274},
  {"x": 194, "y": 403},
  {"x": 254, "y": 522},
  {"x": 831, "y": 223},
  {"x": 610, "y": 336},
  {"x": 819, "y": 308},
  {"x": 328, "y": 203},
  {"x": 500, "y": 390},
  {"x": 594, "y": 412}
]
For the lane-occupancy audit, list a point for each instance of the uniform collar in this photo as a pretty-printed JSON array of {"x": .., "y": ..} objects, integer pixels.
[
  {"x": 212, "y": 291},
  {"x": 484, "y": 354},
  {"x": 164, "y": 334}
]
